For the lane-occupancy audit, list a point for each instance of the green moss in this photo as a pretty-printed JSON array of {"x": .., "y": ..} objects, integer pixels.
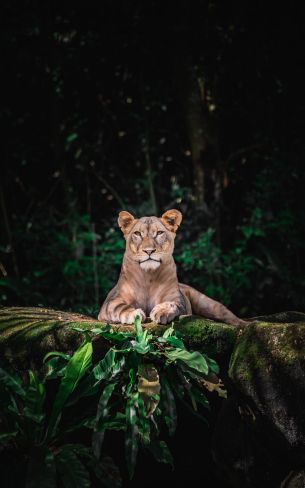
[
  {"x": 247, "y": 356},
  {"x": 264, "y": 347},
  {"x": 32, "y": 332},
  {"x": 27, "y": 334},
  {"x": 213, "y": 338}
]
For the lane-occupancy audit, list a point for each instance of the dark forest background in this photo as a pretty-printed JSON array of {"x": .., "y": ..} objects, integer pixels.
[{"x": 145, "y": 106}]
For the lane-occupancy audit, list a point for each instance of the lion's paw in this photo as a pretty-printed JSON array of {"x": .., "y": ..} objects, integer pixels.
[
  {"x": 164, "y": 313},
  {"x": 128, "y": 317}
]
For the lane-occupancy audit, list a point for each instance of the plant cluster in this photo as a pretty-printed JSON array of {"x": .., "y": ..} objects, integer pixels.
[{"x": 133, "y": 388}]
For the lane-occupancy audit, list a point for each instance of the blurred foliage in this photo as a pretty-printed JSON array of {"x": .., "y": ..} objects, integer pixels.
[
  {"x": 94, "y": 121},
  {"x": 76, "y": 267}
]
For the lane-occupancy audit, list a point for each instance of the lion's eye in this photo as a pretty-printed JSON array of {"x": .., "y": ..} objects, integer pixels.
[
  {"x": 160, "y": 232},
  {"x": 137, "y": 233}
]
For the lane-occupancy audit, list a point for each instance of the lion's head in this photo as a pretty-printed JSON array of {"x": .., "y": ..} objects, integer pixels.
[{"x": 150, "y": 240}]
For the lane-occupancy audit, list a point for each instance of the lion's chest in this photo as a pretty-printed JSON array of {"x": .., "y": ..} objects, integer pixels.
[{"x": 146, "y": 300}]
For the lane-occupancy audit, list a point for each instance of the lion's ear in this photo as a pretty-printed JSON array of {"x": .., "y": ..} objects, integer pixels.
[
  {"x": 125, "y": 221},
  {"x": 172, "y": 219}
]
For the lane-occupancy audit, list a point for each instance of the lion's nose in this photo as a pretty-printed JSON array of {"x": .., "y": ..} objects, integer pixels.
[{"x": 149, "y": 250}]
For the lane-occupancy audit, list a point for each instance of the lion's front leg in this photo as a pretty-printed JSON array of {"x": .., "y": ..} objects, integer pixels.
[
  {"x": 165, "y": 312},
  {"x": 117, "y": 311},
  {"x": 128, "y": 316}
]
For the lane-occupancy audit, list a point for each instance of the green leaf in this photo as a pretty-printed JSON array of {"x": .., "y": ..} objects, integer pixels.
[
  {"x": 75, "y": 370},
  {"x": 72, "y": 137},
  {"x": 169, "y": 332},
  {"x": 168, "y": 406},
  {"x": 143, "y": 422},
  {"x": 213, "y": 366},
  {"x": 56, "y": 362},
  {"x": 146, "y": 336},
  {"x": 131, "y": 436},
  {"x": 97, "y": 442},
  {"x": 132, "y": 380},
  {"x": 57, "y": 354},
  {"x": 102, "y": 407},
  {"x": 34, "y": 408},
  {"x": 56, "y": 368},
  {"x": 175, "y": 342},
  {"x": 140, "y": 347},
  {"x": 101, "y": 414},
  {"x": 8, "y": 435},
  {"x": 117, "y": 423},
  {"x": 161, "y": 452},
  {"x": 12, "y": 382},
  {"x": 109, "y": 334},
  {"x": 194, "y": 360},
  {"x": 35, "y": 396},
  {"x": 72, "y": 470},
  {"x": 139, "y": 328},
  {"x": 199, "y": 396},
  {"x": 109, "y": 366}
]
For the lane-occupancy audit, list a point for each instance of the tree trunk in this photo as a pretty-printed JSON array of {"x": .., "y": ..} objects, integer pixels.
[{"x": 197, "y": 111}]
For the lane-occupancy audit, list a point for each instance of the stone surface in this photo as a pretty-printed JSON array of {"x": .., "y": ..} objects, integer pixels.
[
  {"x": 27, "y": 334},
  {"x": 259, "y": 435},
  {"x": 268, "y": 367}
]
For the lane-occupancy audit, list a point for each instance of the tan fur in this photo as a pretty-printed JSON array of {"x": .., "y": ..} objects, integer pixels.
[{"x": 148, "y": 284}]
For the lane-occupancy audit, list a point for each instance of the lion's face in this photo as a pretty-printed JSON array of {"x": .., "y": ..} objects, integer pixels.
[
  {"x": 150, "y": 243},
  {"x": 150, "y": 240}
]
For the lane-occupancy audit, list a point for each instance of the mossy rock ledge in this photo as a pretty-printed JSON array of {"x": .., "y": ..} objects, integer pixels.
[
  {"x": 259, "y": 434},
  {"x": 268, "y": 367},
  {"x": 27, "y": 334},
  {"x": 259, "y": 437}
]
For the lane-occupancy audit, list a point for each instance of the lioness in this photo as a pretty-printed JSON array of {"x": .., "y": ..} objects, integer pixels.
[{"x": 148, "y": 284}]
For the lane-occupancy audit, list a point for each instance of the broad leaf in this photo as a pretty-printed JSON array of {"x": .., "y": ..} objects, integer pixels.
[
  {"x": 175, "y": 342},
  {"x": 109, "y": 366},
  {"x": 117, "y": 336},
  {"x": 139, "y": 328},
  {"x": 56, "y": 368},
  {"x": 116, "y": 423},
  {"x": 72, "y": 470},
  {"x": 35, "y": 397},
  {"x": 101, "y": 414},
  {"x": 131, "y": 436},
  {"x": 168, "y": 406},
  {"x": 12, "y": 382},
  {"x": 169, "y": 332},
  {"x": 140, "y": 347},
  {"x": 213, "y": 366},
  {"x": 194, "y": 360},
  {"x": 76, "y": 368},
  {"x": 102, "y": 407},
  {"x": 52, "y": 354},
  {"x": 5, "y": 436},
  {"x": 143, "y": 422}
]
